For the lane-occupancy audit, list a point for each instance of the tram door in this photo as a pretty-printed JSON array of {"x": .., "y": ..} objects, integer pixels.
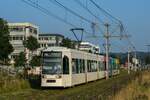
[{"x": 65, "y": 65}]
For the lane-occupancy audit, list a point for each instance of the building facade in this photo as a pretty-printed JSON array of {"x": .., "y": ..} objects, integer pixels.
[
  {"x": 48, "y": 40},
  {"x": 18, "y": 33}
]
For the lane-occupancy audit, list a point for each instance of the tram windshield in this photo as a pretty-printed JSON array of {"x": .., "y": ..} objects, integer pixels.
[{"x": 52, "y": 63}]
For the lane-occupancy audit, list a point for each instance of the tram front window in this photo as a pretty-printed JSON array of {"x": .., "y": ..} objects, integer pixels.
[{"x": 52, "y": 63}]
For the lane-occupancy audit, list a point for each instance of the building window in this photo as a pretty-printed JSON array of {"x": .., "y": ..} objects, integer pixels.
[
  {"x": 35, "y": 31},
  {"x": 50, "y": 44},
  {"x": 10, "y": 38},
  {"x": 13, "y": 56},
  {"x": 30, "y": 29},
  {"x": 21, "y": 38},
  {"x": 50, "y": 38},
  {"x": 44, "y": 45},
  {"x": 46, "y": 38},
  {"x": 16, "y": 29},
  {"x": 16, "y": 38}
]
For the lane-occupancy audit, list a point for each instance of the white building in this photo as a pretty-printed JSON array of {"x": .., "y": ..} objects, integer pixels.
[
  {"x": 89, "y": 47},
  {"x": 48, "y": 40},
  {"x": 18, "y": 33},
  {"x": 135, "y": 64}
]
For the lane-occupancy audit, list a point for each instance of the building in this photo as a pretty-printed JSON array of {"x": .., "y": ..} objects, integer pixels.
[
  {"x": 48, "y": 40},
  {"x": 135, "y": 64},
  {"x": 18, "y": 33},
  {"x": 89, "y": 47}
]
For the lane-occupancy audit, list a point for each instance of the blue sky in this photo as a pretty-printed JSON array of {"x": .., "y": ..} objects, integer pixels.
[{"x": 133, "y": 13}]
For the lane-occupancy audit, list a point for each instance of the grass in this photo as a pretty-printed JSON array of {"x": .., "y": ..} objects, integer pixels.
[
  {"x": 138, "y": 89},
  {"x": 101, "y": 90},
  {"x": 11, "y": 84}
]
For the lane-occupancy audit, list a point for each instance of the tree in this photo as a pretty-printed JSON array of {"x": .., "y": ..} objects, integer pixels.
[
  {"x": 31, "y": 43},
  {"x": 5, "y": 46},
  {"x": 66, "y": 42},
  {"x": 20, "y": 60},
  {"x": 35, "y": 61}
]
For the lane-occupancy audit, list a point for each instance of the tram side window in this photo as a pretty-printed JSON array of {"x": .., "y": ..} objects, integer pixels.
[
  {"x": 65, "y": 65},
  {"x": 94, "y": 66},
  {"x": 74, "y": 66},
  {"x": 78, "y": 66},
  {"x": 82, "y": 66},
  {"x": 95, "y": 63},
  {"x": 89, "y": 65},
  {"x": 101, "y": 66}
]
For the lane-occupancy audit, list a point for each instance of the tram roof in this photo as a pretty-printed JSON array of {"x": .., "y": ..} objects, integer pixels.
[
  {"x": 70, "y": 50},
  {"x": 56, "y": 48}
]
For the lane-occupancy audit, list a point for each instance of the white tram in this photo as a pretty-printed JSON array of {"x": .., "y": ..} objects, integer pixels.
[{"x": 63, "y": 67}]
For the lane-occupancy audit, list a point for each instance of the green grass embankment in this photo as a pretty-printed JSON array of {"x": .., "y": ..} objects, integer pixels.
[{"x": 98, "y": 90}]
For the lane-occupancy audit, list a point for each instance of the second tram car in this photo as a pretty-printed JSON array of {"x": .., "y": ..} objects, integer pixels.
[{"x": 63, "y": 67}]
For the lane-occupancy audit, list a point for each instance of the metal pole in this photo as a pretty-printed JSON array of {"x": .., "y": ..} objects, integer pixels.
[
  {"x": 135, "y": 66},
  {"x": 128, "y": 60},
  {"x": 107, "y": 50},
  {"x": 25, "y": 49}
]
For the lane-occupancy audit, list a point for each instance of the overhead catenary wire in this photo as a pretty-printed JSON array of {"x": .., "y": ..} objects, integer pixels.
[
  {"x": 120, "y": 23},
  {"x": 88, "y": 10},
  {"x": 47, "y": 12},
  {"x": 104, "y": 11},
  {"x": 74, "y": 13},
  {"x": 109, "y": 15},
  {"x": 71, "y": 11},
  {"x": 129, "y": 41}
]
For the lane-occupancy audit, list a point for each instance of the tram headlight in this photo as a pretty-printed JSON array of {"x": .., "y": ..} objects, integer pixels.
[
  {"x": 43, "y": 76},
  {"x": 58, "y": 76}
]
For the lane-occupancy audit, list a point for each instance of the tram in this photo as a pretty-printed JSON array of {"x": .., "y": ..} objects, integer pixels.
[{"x": 63, "y": 67}]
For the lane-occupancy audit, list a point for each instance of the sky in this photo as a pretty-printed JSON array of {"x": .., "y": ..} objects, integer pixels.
[{"x": 133, "y": 13}]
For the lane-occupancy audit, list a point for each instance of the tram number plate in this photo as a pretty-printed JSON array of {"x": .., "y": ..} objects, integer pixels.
[{"x": 51, "y": 81}]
